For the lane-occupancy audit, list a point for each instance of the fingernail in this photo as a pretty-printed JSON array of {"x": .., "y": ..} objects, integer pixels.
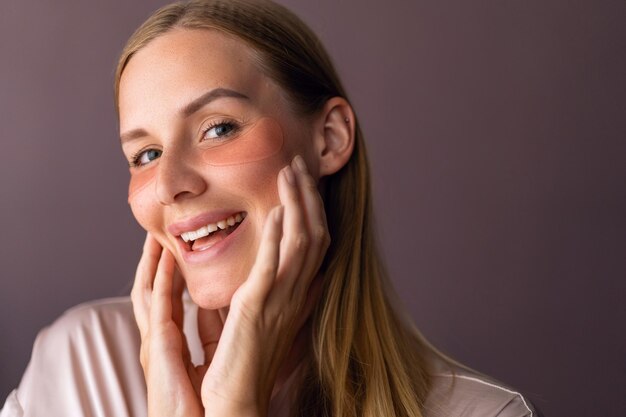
[
  {"x": 300, "y": 164},
  {"x": 291, "y": 179}
]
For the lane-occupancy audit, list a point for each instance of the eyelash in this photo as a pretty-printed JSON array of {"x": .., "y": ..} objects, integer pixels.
[
  {"x": 136, "y": 157},
  {"x": 224, "y": 122}
]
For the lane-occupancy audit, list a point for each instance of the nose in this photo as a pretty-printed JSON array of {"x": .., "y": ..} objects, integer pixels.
[{"x": 178, "y": 178}]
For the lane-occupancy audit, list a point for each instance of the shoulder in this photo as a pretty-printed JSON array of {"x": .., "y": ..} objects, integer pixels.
[
  {"x": 87, "y": 325},
  {"x": 87, "y": 359},
  {"x": 104, "y": 312},
  {"x": 461, "y": 392}
]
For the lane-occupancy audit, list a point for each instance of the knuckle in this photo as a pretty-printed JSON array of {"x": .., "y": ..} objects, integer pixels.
[
  {"x": 267, "y": 269},
  {"x": 320, "y": 234},
  {"x": 309, "y": 183},
  {"x": 321, "y": 205},
  {"x": 301, "y": 241}
]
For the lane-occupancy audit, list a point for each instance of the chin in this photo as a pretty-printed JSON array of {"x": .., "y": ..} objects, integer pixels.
[{"x": 213, "y": 291}]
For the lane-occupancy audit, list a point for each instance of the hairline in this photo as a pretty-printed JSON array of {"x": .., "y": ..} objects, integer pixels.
[{"x": 258, "y": 57}]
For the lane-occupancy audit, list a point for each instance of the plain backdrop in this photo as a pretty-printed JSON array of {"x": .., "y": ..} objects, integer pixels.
[{"x": 496, "y": 131}]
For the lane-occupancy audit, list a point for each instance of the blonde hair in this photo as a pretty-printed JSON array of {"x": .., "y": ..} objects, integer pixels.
[{"x": 368, "y": 360}]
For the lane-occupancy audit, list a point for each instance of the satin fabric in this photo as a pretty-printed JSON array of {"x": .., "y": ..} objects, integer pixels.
[{"x": 87, "y": 364}]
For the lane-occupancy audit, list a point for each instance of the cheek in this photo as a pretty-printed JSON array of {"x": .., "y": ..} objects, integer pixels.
[
  {"x": 248, "y": 166},
  {"x": 254, "y": 184},
  {"x": 261, "y": 141},
  {"x": 142, "y": 197},
  {"x": 139, "y": 180}
]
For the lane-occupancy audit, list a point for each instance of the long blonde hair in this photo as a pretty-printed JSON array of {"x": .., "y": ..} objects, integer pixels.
[{"x": 368, "y": 361}]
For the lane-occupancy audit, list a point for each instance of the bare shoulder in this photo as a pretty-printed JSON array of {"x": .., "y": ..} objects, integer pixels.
[{"x": 459, "y": 392}]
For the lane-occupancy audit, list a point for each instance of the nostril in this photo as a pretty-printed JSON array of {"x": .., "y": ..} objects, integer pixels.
[{"x": 179, "y": 176}]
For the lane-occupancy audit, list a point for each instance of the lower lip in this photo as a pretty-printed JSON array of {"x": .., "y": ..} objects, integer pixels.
[{"x": 199, "y": 257}]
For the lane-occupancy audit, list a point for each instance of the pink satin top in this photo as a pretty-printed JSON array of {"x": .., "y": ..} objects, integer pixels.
[{"x": 87, "y": 364}]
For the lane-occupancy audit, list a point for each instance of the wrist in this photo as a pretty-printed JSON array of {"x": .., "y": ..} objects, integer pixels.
[
  {"x": 220, "y": 399},
  {"x": 223, "y": 409}
]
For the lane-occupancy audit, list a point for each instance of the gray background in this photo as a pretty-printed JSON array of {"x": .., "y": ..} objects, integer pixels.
[{"x": 497, "y": 136}]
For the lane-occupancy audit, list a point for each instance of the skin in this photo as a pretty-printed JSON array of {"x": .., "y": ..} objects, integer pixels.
[{"x": 256, "y": 295}]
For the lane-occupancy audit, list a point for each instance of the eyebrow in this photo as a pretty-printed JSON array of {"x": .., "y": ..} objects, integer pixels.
[
  {"x": 206, "y": 98},
  {"x": 189, "y": 109}
]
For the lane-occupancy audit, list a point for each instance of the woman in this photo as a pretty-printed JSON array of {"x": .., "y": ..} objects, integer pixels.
[{"x": 249, "y": 174}]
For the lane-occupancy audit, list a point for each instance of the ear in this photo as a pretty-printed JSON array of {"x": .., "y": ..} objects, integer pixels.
[{"x": 334, "y": 135}]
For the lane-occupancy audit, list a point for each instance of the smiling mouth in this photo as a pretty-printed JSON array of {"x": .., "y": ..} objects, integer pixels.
[{"x": 210, "y": 234}]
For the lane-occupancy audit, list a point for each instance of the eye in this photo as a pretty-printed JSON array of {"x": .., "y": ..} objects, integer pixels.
[
  {"x": 219, "y": 130},
  {"x": 145, "y": 157}
]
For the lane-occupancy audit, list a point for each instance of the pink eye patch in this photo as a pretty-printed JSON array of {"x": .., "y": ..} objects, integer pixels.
[
  {"x": 140, "y": 179},
  {"x": 256, "y": 142},
  {"x": 260, "y": 140}
]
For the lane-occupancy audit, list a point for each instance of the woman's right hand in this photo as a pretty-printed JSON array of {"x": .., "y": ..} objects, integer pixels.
[{"x": 173, "y": 382}]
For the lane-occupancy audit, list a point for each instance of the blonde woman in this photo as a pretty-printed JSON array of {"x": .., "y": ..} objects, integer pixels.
[{"x": 260, "y": 291}]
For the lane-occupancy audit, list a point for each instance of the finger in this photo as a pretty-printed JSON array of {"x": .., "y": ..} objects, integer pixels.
[
  {"x": 178, "y": 288},
  {"x": 210, "y": 327},
  {"x": 142, "y": 287},
  {"x": 295, "y": 243},
  {"x": 161, "y": 303},
  {"x": 263, "y": 272},
  {"x": 178, "y": 310},
  {"x": 319, "y": 237}
]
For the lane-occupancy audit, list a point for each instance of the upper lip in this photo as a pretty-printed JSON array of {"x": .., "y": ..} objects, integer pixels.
[{"x": 194, "y": 223}]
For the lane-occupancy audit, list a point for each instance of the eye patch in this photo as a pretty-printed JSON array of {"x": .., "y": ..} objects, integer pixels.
[
  {"x": 255, "y": 142},
  {"x": 261, "y": 140}
]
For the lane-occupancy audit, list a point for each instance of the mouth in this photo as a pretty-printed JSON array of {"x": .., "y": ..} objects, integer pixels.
[{"x": 210, "y": 234}]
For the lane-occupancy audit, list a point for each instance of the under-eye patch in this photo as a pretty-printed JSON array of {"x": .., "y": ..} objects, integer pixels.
[
  {"x": 140, "y": 179},
  {"x": 258, "y": 141}
]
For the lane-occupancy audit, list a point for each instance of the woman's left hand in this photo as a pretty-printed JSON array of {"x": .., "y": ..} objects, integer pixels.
[{"x": 268, "y": 311}]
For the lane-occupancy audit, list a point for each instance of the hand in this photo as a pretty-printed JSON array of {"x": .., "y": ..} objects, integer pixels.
[
  {"x": 243, "y": 354},
  {"x": 173, "y": 382},
  {"x": 271, "y": 306}
]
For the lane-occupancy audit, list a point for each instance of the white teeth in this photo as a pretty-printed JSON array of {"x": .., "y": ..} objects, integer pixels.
[{"x": 210, "y": 228}]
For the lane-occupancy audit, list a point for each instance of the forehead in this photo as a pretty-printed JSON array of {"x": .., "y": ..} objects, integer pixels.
[{"x": 173, "y": 69}]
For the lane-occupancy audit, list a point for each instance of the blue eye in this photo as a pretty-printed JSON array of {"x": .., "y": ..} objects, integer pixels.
[
  {"x": 219, "y": 130},
  {"x": 145, "y": 157}
]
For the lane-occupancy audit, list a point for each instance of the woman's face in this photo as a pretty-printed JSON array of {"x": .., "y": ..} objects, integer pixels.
[{"x": 206, "y": 134}]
